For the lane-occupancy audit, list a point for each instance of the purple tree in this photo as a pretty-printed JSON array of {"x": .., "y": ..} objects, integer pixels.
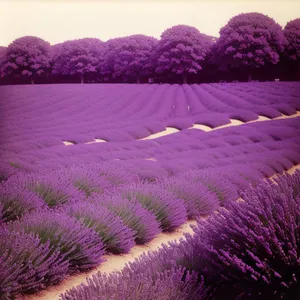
[
  {"x": 249, "y": 41},
  {"x": 26, "y": 56},
  {"x": 2, "y": 55},
  {"x": 129, "y": 57},
  {"x": 291, "y": 61},
  {"x": 77, "y": 57},
  {"x": 181, "y": 50},
  {"x": 292, "y": 34}
]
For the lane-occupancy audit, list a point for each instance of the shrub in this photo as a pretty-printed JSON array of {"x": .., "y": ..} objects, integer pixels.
[
  {"x": 167, "y": 208},
  {"x": 141, "y": 221},
  {"x": 251, "y": 249},
  {"x": 26, "y": 265},
  {"x": 223, "y": 188},
  {"x": 52, "y": 187},
  {"x": 115, "y": 235},
  {"x": 16, "y": 202},
  {"x": 86, "y": 179},
  {"x": 198, "y": 200},
  {"x": 171, "y": 284},
  {"x": 81, "y": 246}
]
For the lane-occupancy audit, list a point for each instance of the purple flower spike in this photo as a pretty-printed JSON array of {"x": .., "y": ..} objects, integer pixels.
[
  {"x": 137, "y": 218},
  {"x": 169, "y": 211},
  {"x": 81, "y": 246},
  {"x": 198, "y": 200},
  {"x": 27, "y": 265},
  {"x": 222, "y": 187},
  {"x": 140, "y": 286},
  {"x": 17, "y": 202},
  {"x": 115, "y": 235}
]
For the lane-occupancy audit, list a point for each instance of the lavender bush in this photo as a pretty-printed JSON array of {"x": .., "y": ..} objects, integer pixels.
[
  {"x": 137, "y": 218},
  {"x": 222, "y": 187},
  {"x": 140, "y": 286},
  {"x": 198, "y": 200},
  {"x": 53, "y": 188},
  {"x": 115, "y": 235},
  {"x": 27, "y": 265},
  {"x": 167, "y": 208},
  {"x": 251, "y": 250},
  {"x": 78, "y": 245},
  {"x": 17, "y": 202}
]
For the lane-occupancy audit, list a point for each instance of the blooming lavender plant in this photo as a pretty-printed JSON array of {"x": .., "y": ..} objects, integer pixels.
[
  {"x": 252, "y": 249},
  {"x": 169, "y": 211},
  {"x": 16, "y": 202},
  {"x": 115, "y": 235},
  {"x": 52, "y": 187},
  {"x": 198, "y": 200},
  {"x": 80, "y": 246},
  {"x": 223, "y": 188},
  {"x": 27, "y": 265},
  {"x": 139, "y": 286},
  {"x": 137, "y": 218}
]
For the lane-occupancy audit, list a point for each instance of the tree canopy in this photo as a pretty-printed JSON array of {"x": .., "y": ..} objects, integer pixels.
[
  {"x": 26, "y": 56},
  {"x": 78, "y": 57},
  {"x": 181, "y": 50},
  {"x": 292, "y": 34},
  {"x": 129, "y": 57},
  {"x": 249, "y": 40}
]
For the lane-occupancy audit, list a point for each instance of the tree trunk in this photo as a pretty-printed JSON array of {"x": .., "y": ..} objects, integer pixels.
[
  {"x": 81, "y": 79},
  {"x": 184, "y": 78},
  {"x": 138, "y": 80},
  {"x": 249, "y": 76},
  {"x": 31, "y": 80}
]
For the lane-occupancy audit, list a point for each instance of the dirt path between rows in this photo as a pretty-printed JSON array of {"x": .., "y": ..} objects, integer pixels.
[{"x": 115, "y": 263}]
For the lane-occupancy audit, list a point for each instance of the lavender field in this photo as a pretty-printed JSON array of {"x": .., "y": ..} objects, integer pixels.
[{"x": 94, "y": 170}]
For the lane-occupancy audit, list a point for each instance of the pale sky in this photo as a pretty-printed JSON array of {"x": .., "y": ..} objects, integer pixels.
[{"x": 60, "y": 20}]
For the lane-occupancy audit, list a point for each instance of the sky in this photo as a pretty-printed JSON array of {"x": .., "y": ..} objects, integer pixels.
[{"x": 60, "y": 20}]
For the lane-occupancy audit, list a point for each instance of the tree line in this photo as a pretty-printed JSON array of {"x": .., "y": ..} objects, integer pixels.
[{"x": 250, "y": 46}]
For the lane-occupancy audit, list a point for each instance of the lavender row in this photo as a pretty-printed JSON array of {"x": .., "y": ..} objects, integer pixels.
[
  {"x": 191, "y": 149},
  {"x": 122, "y": 113},
  {"x": 248, "y": 251},
  {"x": 75, "y": 215}
]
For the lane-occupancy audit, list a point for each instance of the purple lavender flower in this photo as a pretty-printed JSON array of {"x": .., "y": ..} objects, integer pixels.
[
  {"x": 140, "y": 286},
  {"x": 27, "y": 265},
  {"x": 115, "y": 235},
  {"x": 52, "y": 187},
  {"x": 138, "y": 219},
  {"x": 198, "y": 200},
  {"x": 167, "y": 208},
  {"x": 252, "y": 248},
  {"x": 222, "y": 187},
  {"x": 81, "y": 246},
  {"x": 16, "y": 202}
]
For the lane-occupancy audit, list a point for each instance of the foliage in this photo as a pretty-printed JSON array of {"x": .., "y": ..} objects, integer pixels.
[
  {"x": 26, "y": 56},
  {"x": 181, "y": 50}
]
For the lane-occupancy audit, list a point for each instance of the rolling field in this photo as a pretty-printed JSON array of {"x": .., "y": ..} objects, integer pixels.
[{"x": 93, "y": 172}]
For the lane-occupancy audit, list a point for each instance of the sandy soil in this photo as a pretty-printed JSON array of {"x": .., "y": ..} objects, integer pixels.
[
  {"x": 68, "y": 143},
  {"x": 96, "y": 141},
  {"x": 169, "y": 130}
]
